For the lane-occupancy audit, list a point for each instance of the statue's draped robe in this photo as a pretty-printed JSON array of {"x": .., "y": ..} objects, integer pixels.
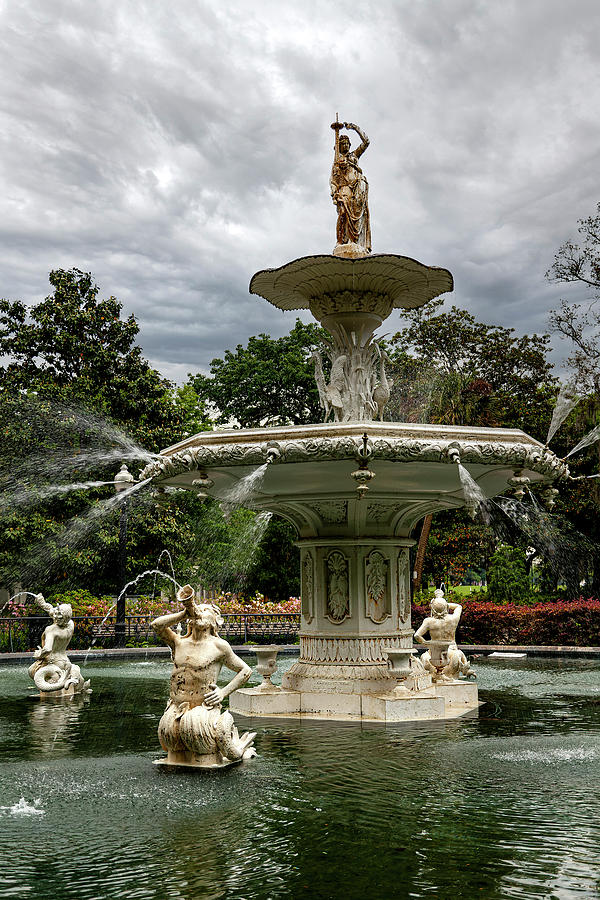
[{"x": 350, "y": 190}]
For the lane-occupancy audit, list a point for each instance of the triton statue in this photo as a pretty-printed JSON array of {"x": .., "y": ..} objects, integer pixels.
[
  {"x": 193, "y": 730},
  {"x": 443, "y": 659},
  {"x": 53, "y": 672}
]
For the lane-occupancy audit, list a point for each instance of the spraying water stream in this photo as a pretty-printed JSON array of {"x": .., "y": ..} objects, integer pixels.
[
  {"x": 475, "y": 500},
  {"x": 566, "y": 401},
  {"x": 240, "y": 493},
  {"x": 590, "y": 438}
]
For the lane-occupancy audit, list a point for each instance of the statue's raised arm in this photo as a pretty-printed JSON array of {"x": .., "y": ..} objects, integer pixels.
[{"x": 349, "y": 126}]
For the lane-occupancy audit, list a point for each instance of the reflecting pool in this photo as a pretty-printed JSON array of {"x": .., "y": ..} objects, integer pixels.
[{"x": 497, "y": 806}]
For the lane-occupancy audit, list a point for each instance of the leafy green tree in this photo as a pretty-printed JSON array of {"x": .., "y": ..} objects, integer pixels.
[
  {"x": 192, "y": 410},
  {"x": 579, "y": 263},
  {"x": 75, "y": 348},
  {"x": 471, "y": 373},
  {"x": 73, "y": 389},
  {"x": 456, "y": 545},
  {"x": 508, "y": 581},
  {"x": 268, "y": 382},
  {"x": 275, "y": 571},
  {"x": 448, "y": 368}
]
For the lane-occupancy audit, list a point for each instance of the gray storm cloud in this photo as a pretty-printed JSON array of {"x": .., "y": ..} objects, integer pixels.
[{"x": 173, "y": 152}]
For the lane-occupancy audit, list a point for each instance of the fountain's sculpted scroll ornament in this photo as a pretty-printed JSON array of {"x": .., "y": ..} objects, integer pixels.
[
  {"x": 376, "y": 572},
  {"x": 52, "y": 670},
  {"x": 443, "y": 659},
  {"x": 338, "y": 600},
  {"x": 350, "y": 194},
  {"x": 193, "y": 730}
]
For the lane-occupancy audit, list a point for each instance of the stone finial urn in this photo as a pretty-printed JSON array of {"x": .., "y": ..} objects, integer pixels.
[
  {"x": 399, "y": 661},
  {"x": 267, "y": 664}
]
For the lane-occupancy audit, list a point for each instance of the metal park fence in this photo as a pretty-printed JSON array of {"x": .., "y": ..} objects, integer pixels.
[{"x": 23, "y": 634}]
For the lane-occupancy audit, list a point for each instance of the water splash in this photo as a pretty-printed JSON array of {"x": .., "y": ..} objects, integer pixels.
[
  {"x": 138, "y": 578},
  {"x": 590, "y": 438},
  {"x": 162, "y": 553},
  {"x": 567, "y": 553},
  {"x": 242, "y": 491},
  {"x": 15, "y": 596},
  {"x": 44, "y": 557},
  {"x": 566, "y": 401},
  {"x": 166, "y": 553},
  {"x": 132, "y": 583},
  {"x": 23, "y": 808},
  {"x": 60, "y": 439},
  {"x": 411, "y": 397},
  {"x": 559, "y": 754},
  {"x": 475, "y": 500}
]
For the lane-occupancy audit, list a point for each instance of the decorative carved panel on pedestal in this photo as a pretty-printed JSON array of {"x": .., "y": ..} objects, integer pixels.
[
  {"x": 403, "y": 586},
  {"x": 377, "y": 587},
  {"x": 308, "y": 586},
  {"x": 338, "y": 587}
]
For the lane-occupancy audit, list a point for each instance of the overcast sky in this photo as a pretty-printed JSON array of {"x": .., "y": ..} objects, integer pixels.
[{"x": 173, "y": 149}]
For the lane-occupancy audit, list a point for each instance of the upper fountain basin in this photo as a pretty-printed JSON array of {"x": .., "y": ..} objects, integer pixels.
[
  {"x": 309, "y": 479},
  {"x": 329, "y": 284}
]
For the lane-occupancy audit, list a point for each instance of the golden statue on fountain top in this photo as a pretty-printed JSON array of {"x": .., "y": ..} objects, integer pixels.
[{"x": 350, "y": 194}]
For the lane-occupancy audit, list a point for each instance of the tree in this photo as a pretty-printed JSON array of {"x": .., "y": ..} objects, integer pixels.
[
  {"x": 275, "y": 571},
  {"x": 471, "y": 373},
  {"x": 448, "y": 368},
  {"x": 268, "y": 382},
  {"x": 580, "y": 264},
  {"x": 508, "y": 581},
  {"x": 76, "y": 349},
  {"x": 456, "y": 544},
  {"x": 71, "y": 382}
]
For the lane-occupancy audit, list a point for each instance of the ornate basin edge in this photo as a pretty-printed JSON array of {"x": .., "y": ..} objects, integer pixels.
[{"x": 518, "y": 455}]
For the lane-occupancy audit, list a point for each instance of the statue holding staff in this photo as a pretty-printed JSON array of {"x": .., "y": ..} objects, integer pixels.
[{"x": 350, "y": 194}]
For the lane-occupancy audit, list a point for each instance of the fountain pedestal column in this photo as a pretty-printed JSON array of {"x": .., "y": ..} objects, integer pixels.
[
  {"x": 356, "y": 602},
  {"x": 355, "y": 608}
]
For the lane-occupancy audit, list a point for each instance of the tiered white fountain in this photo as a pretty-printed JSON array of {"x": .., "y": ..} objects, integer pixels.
[{"x": 355, "y": 488}]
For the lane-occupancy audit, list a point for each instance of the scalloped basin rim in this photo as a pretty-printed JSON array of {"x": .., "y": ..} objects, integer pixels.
[{"x": 408, "y": 282}]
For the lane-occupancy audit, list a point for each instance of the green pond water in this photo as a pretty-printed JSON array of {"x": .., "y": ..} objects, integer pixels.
[{"x": 497, "y": 806}]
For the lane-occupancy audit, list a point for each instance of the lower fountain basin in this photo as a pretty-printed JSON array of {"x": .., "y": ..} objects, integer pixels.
[
  {"x": 354, "y": 492},
  {"x": 493, "y": 806},
  {"x": 309, "y": 479}
]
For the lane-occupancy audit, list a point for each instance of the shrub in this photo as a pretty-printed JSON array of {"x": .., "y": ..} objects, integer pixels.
[
  {"x": 572, "y": 622},
  {"x": 83, "y": 602}
]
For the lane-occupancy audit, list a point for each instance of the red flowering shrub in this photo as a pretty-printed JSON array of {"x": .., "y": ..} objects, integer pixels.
[{"x": 562, "y": 622}]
